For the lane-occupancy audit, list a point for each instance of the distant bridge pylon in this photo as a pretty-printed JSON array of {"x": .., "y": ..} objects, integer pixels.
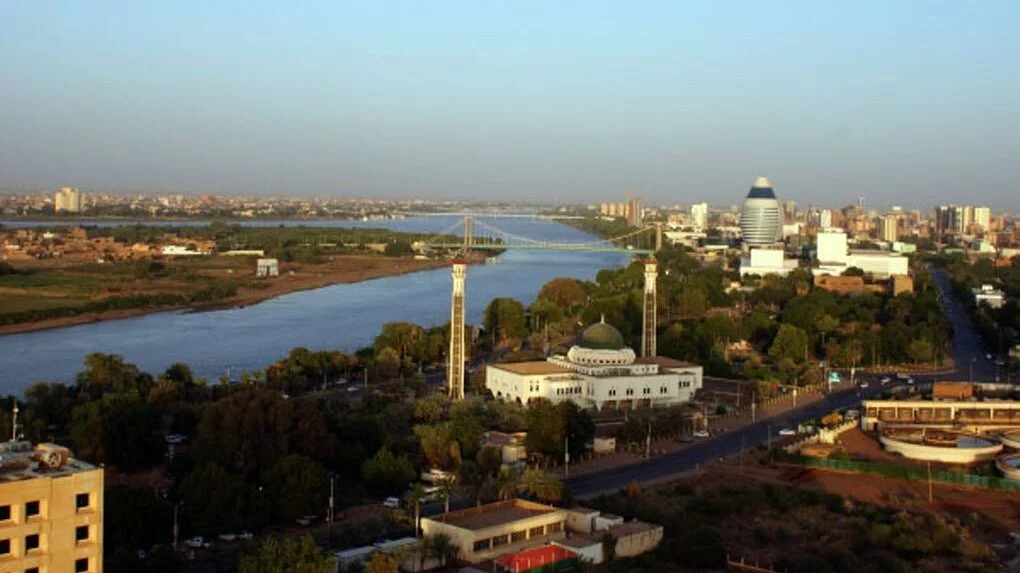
[{"x": 479, "y": 235}]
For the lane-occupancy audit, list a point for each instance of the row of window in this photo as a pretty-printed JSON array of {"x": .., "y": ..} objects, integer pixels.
[
  {"x": 81, "y": 534},
  {"x": 565, "y": 391},
  {"x": 34, "y": 508},
  {"x": 517, "y": 536}
]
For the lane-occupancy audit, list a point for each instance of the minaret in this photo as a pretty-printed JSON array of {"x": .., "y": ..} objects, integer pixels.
[
  {"x": 648, "y": 339},
  {"x": 455, "y": 370}
]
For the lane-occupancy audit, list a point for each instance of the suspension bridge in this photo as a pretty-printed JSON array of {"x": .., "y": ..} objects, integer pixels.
[
  {"x": 479, "y": 235},
  {"x": 488, "y": 215}
]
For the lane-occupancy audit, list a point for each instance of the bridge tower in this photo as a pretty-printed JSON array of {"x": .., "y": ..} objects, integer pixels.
[
  {"x": 648, "y": 335},
  {"x": 455, "y": 370},
  {"x": 469, "y": 223}
]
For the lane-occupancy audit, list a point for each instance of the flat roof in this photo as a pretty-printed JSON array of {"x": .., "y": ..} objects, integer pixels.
[
  {"x": 532, "y": 368},
  {"x": 631, "y": 527},
  {"x": 663, "y": 361},
  {"x": 578, "y": 541},
  {"x": 493, "y": 514}
]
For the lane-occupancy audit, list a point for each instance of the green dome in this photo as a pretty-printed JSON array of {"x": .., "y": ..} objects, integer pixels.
[{"x": 601, "y": 336}]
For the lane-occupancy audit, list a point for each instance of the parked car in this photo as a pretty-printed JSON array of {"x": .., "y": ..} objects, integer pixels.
[
  {"x": 175, "y": 439},
  {"x": 246, "y": 536},
  {"x": 701, "y": 434},
  {"x": 228, "y": 537},
  {"x": 197, "y": 542},
  {"x": 393, "y": 502},
  {"x": 864, "y": 383},
  {"x": 787, "y": 432},
  {"x": 306, "y": 520},
  {"x": 886, "y": 380}
]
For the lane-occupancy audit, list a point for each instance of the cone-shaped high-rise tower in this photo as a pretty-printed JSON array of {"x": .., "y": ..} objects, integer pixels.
[
  {"x": 648, "y": 335},
  {"x": 455, "y": 370}
]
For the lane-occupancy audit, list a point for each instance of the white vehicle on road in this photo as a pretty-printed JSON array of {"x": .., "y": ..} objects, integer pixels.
[
  {"x": 787, "y": 432},
  {"x": 197, "y": 542},
  {"x": 701, "y": 434}
]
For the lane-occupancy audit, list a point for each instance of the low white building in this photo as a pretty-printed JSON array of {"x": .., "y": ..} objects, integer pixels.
[
  {"x": 179, "y": 250},
  {"x": 834, "y": 257},
  {"x": 989, "y": 295},
  {"x": 267, "y": 268},
  {"x": 599, "y": 372},
  {"x": 766, "y": 261}
]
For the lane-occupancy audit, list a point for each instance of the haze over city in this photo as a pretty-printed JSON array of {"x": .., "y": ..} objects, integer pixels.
[{"x": 909, "y": 103}]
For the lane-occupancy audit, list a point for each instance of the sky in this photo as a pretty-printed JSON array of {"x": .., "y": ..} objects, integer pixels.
[{"x": 909, "y": 103}]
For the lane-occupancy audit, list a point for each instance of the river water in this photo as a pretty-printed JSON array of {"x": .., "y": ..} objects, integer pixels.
[{"x": 344, "y": 316}]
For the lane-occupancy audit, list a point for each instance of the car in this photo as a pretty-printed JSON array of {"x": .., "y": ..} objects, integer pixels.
[
  {"x": 197, "y": 542},
  {"x": 885, "y": 380},
  {"x": 787, "y": 432},
  {"x": 864, "y": 384},
  {"x": 246, "y": 536},
  {"x": 701, "y": 434},
  {"x": 393, "y": 502},
  {"x": 228, "y": 537},
  {"x": 353, "y": 389},
  {"x": 306, "y": 520},
  {"x": 175, "y": 439}
]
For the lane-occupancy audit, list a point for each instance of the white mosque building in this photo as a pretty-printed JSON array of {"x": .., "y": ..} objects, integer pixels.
[{"x": 599, "y": 372}]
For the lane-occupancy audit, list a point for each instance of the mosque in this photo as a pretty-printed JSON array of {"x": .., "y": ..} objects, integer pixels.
[{"x": 599, "y": 372}]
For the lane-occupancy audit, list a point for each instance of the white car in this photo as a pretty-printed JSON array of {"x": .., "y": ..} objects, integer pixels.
[
  {"x": 701, "y": 434},
  {"x": 787, "y": 432},
  {"x": 886, "y": 380},
  {"x": 197, "y": 542},
  {"x": 175, "y": 439},
  {"x": 393, "y": 502},
  {"x": 228, "y": 537},
  {"x": 864, "y": 384},
  {"x": 246, "y": 536}
]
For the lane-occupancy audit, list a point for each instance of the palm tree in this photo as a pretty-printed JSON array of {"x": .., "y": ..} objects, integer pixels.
[
  {"x": 414, "y": 498},
  {"x": 446, "y": 489},
  {"x": 444, "y": 549},
  {"x": 424, "y": 548},
  {"x": 508, "y": 482},
  {"x": 543, "y": 485}
]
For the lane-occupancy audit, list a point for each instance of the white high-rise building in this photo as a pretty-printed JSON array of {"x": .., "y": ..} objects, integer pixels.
[
  {"x": 982, "y": 219},
  {"x": 889, "y": 231},
  {"x": 825, "y": 218},
  {"x": 761, "y": 219},
  {"x": 67, "y": 199},
  {"x": 699, "y": 215}
]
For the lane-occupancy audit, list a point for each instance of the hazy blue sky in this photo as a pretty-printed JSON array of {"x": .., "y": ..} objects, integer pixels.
[{"x": 902, "y": 102}]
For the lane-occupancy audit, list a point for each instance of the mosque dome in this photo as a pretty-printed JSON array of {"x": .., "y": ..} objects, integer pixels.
[{"x": 601, "y": 336}]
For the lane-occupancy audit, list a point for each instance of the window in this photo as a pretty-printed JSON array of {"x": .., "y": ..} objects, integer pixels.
[
  {"x": 81, "y": 533},
  {"x": 481, "y": 545},
  {"x": 5, "y": 512},
  {"x": 663, "y": 390},
  {"x": 32, "y": 542},
  {"x": 500, "y": 540},
  {"x": 517, "y": 536},
  {"x": 612, "y": 392},
  {"x": 630, "y": 391},
  {"x": 32, "y": 509},
  {"x": 32, "y": 570},
  {"x": 81, "y": 565},
  {"x": 646, "y": 391},
  {"x": 81, "y": 501},
  {"x": 536, "y": 531},
  {"x": 5, "y": 546},
  {"x": 555, "y": 527}
]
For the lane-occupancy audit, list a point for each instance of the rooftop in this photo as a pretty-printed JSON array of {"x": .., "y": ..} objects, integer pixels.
[
  {"x": 631, "y": 528},
  {"x": 19, "y": 460},
  {"x": 533, "y": 368},
  {"x": 578, "y": 541},
  {"x": 535, "y": 558},
  {"x": 662, "y": 361},
  {"x": 493, "y": 514}
]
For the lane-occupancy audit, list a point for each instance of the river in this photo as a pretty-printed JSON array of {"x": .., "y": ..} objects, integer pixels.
[{"x": 344, "y": 316}]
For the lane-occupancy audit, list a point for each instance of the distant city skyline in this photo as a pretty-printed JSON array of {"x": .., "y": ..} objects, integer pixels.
[{"x": 907, "y": 103}]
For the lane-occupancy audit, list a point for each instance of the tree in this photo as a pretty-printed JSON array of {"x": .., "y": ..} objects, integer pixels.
[
  {"x": 832, "y": 419},
  {"x": 119, "y": 429},
  {"x": 564, "y": 292},
  {"x": 216, "y": 501},
  {"x": 389, "y": 362},
  {"x": 505, "y": 317},
  {"x": 436, "y": 444},
  {"x": 386, "y": 473},
  {"x": 414, "y": 499},
  {"x": 382, "y": 563},
  {"x": 297, "y": 486},
  {"x": 542, "y": 485},
  {"x": 920, "y": 351},
  {"x": 443, "y": 548},
  {"x": 790, "y": 343},
  {"x": 134, "y": 517},
  {"x": 853, "y": 272},
  {"x": 108, "y": 373},
  {"x": 287, "y": 556}
]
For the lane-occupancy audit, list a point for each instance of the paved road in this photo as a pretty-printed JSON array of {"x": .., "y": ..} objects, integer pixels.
[{"x": 966, "y": 345}]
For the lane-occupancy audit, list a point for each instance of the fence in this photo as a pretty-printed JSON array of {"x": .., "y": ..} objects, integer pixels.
[{"x": 906, "y": 472}]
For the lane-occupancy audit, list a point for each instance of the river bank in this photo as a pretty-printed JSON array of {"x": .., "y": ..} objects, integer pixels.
[{"x": 294, "y": 277}]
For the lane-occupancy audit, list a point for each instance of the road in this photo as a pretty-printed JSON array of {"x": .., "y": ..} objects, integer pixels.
[{"x": 967, "y": 351}]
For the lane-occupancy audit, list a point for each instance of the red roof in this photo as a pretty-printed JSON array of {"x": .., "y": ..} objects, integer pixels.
[{"x": 533, "y": 558}]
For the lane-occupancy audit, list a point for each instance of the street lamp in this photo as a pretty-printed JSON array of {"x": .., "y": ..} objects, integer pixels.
[{"x": 972, "y": 360}]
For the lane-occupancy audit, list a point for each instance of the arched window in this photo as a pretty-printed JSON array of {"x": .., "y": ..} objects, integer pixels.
[{"x": 630, "y": 391}]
